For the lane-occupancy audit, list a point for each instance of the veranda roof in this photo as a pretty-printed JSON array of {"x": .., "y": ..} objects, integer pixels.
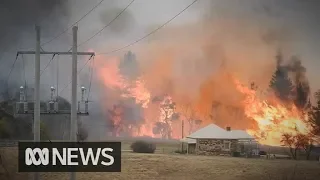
[{"x": 213, "y": 131}]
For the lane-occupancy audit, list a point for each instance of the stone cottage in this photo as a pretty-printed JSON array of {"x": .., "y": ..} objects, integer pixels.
[{"x": 214, "y": 140}]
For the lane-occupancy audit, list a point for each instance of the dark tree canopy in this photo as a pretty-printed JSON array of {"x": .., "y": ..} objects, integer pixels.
[
  {"x": 281, "y": 84},
  {"x": 301, "y": 98},
  {"x": 314, "y": 116}
]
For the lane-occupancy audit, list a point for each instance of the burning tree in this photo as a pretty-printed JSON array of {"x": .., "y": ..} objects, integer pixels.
[
  {"x": 292, "y": 142},
  {"x": 280, "y": 82},
  {"x": 314, "y": 115},
  {"x": 297, "y": 142},
  {"x": 126, "y": 117},
  {"x": 168, "y": 114},
  {"x": 189, "y": 113}
]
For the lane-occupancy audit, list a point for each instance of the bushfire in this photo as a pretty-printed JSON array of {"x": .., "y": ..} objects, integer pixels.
[
  {"x": 273, "y": 117},
  {"x": 160, "y": 118}
]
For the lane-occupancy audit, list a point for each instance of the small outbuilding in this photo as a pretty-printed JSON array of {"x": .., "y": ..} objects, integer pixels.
[{"x": 214, "y": 140}]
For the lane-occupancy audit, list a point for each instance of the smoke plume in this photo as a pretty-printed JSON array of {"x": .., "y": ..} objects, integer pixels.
[{"x": 196, "y": 62}]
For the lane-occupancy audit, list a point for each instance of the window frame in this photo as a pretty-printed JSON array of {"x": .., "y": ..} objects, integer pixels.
[{"x": 228, "y": 143}]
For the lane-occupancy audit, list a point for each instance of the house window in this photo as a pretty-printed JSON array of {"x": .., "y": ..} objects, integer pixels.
[{"x": 226, "y": 145}]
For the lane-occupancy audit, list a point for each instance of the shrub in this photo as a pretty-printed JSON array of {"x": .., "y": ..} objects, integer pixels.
[
  {"x": 181, "y": 152},
  {"x": 143, "y": 147},
  {"x": 261, "y": 153}
]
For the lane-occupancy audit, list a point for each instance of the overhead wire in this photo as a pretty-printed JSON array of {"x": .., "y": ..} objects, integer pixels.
[
  {"x": 24, "y": 71},
  {"x": 64, "y": 31},
  {"x": 58, "y": 76},
  {"x": 47, "y": 65},
  {"x": 77, "y": 73},
  {"x": 98, "y": 32},
  {"x": 24, "y": 76},
  {"x": 91, "y": 74},
  {"x": 10, "y": 72},
  {"x": 11, "y": 69},
  {"x": 57, "y": 36},
  {"x": 152, "y": 32},
  {"x": 138, "y": 40}
]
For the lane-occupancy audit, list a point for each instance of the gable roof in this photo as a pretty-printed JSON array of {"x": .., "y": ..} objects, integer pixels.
[
  {"x": 240, "y": 134},
  {"x": 213, "y": 131}
]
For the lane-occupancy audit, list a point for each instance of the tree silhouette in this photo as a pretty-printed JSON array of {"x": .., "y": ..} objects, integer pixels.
[
  {"x": 280, "y": 82},
  {"x": 314, "y": 115},
  {"x": 301, "y": 99},
  {"x": 168, "y": 114}
]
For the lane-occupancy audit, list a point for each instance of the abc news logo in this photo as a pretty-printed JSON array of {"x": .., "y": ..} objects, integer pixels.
[{"x": 69, "y": 156}]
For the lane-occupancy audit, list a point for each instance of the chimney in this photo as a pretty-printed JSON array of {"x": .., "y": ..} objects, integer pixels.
[{"x": 228, "y": 128}]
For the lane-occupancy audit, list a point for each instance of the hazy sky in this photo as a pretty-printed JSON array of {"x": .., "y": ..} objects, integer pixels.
[
  {"x": 296, "y": 19},
  {"x": 291, "y": 24}
]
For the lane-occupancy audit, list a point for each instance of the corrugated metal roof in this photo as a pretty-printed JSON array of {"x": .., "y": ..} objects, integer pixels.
[{"x": 213, "y": 131}]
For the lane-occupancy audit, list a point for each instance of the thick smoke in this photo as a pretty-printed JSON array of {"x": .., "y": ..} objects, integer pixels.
[
  {"x": 122, "y": 25},
  {"x": 196, "y": 62},
  {"x": 18, "y": 19},
  {"x": 129, "y": 67},
  {"x": 20, "y": 16}
]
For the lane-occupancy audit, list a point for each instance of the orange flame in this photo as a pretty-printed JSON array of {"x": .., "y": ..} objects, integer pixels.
[{"x": 272, "y": 117}]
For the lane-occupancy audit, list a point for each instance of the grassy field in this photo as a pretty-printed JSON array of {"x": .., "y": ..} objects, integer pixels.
[{"x": 184, "y": 167}]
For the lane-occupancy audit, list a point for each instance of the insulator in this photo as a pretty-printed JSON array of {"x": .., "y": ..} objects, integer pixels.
[
  {"x": 83, "y": 91},
  {"x": 22, "y": 95},
  {"x": 52, "y": 92}
]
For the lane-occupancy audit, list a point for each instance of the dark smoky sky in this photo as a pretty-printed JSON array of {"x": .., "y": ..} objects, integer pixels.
[
  {"x": 293, "y": 21},
  {"x": 297, "y": 20},
  {"x": 17, "y": 27},
  {"x": 20, "y": 16}
]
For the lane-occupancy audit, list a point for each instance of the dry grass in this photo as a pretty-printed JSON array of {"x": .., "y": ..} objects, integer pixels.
[{"x": 184, "y": 167}]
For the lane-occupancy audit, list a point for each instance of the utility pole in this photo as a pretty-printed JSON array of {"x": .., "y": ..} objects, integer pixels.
[
  {"x": 36, "y": 124},
  {"x": 182, "y": 134},
  {"x": 74, "y": 110},
  {"x": 74, "y": 118}
]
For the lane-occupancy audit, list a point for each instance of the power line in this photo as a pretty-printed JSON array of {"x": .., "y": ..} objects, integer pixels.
[
  {"x": 152, "y": 32},
  {"x": 91, "y": 74},
  {"x": 47, "y": 65},
  {"x": 72, "y": 24},
  {"x": 7, "y": 80},
  {"x": 77, "y": 73},
  {"x": 24, "y": 72},
  {"x": 138, "y": 40},
  {"x": 94, "y": 35},
  {"x": 12, "y": 67}
]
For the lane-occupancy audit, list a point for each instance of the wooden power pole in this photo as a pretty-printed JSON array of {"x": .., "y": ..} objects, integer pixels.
[
  {"x": 182, "y": 134},
  {"x": 74, "y": 110}
]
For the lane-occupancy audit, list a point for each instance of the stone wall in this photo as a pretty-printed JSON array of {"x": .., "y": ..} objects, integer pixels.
[{"x": 216, "y": 146}]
